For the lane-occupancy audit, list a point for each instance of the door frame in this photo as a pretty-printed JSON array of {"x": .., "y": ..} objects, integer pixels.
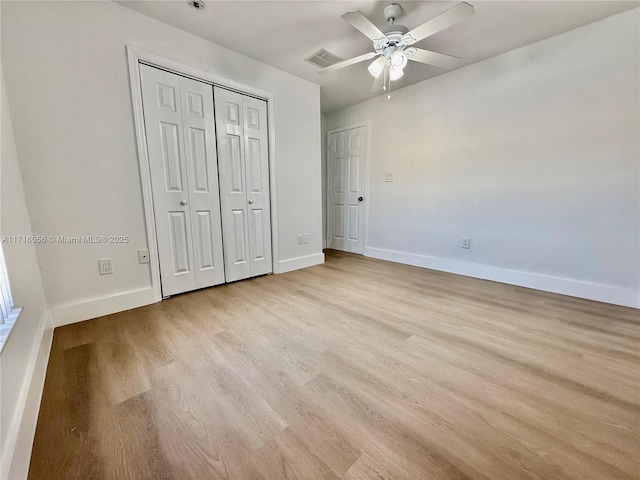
[
  {"x": 367, "y": 160},
  {"x": 137, "y": 56}
]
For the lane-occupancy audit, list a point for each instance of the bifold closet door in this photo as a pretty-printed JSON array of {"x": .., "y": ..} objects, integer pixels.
[
  {"x": 243, "y": 162},
  {"x": 180, "y": 128}
]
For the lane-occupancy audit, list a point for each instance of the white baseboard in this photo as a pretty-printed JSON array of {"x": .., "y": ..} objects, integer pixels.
[
  {"x": 16, "y": 453},
  {"x": 97, "y": 307},
  {"x": 301, "y": 262},
  {"x": 593, "y": 291}
]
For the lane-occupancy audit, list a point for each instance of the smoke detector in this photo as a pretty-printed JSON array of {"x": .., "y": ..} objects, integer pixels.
[{"x": 197, "y": 4}]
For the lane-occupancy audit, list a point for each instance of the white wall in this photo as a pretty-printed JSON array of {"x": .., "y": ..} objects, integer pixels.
[
  {"x": 67, "y": 80},
  {"x": 23, "y": 361},
  {"x": 534, "y": 154}
]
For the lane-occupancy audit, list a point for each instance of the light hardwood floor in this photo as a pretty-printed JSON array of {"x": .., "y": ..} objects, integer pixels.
[{"x": 356, "y": 369}]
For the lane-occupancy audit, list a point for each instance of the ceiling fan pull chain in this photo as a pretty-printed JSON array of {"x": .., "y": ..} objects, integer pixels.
[
  {"x": 384, "y": 76},
  {"x": 388, "y": 89}
]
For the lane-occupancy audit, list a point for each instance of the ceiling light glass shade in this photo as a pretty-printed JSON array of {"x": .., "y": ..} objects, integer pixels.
[
  {"x": 377, "y": 66},
  {"x": 399, "y": 59},
  {"x": 396, "y": 73}
]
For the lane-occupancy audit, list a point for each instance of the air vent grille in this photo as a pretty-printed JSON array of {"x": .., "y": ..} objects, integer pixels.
[{"x": 323, "y": 58}]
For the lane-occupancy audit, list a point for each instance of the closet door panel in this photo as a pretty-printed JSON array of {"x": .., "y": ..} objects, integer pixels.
[
  {"x": 169, "y": 179},
  {"x": 202, "y": 170},
  {"x": 232, "y": 176},
  {"x": 257, "y": 180}
]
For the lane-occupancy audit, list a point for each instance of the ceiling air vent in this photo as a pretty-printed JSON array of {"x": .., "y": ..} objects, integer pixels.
[{"x": 323, "y": 58}]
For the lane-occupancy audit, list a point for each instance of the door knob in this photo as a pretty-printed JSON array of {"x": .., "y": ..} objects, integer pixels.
[
  {"x": 360, "y": 199},
  {"x": 183, "y": 202},
  {"x": 250, "y": 202}
]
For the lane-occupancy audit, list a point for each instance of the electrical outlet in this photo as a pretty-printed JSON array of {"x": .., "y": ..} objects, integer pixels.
[
  {"x": 143, "y": 255},
  {"x": 300, "y": 239},
  {"x": 466, "y": 242},
  {"x": 388, "y": 177},
  {"x": 305, "y": 238},
  {"x": 104, "y": 265}
]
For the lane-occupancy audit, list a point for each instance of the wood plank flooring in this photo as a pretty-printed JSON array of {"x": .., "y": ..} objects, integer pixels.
[{"x": 355, "y": 369}]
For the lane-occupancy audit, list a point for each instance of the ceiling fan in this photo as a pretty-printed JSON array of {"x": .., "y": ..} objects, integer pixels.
[{"x": 392, "y": 43}]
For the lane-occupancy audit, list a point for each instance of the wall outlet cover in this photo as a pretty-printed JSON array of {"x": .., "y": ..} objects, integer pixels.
[
  {"x": 104, "y": 265},
  {"x": 143, "y": 256},
  {"x": 466, "y": 242}
]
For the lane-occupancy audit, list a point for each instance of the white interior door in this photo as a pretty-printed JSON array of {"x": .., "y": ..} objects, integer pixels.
[
  {"x": 346, "y": 171},
  {"x": 241, "y": 129},
  {"x": 179, "y": 123}
]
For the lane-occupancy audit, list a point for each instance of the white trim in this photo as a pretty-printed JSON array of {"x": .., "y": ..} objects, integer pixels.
[
  {"x": 145, "y": 173},
  {"x": 566, "y": 286},
  {"x": 301, "y": 262},
  {"x": 98, "y": 307},
  {"x": 273, "y": 185},
  {"x": 16, "y": 452},
  {"x": 135, "y": 56},
  {"x": 367, "y": 180}
]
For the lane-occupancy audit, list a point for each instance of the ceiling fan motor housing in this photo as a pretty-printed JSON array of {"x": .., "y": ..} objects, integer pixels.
[
  {"x": 395, "y": 28},
  {"x": 393, "y": 33},
  {"x": 393, "y": 38}
]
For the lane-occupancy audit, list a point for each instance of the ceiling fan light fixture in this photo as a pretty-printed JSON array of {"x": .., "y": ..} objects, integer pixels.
[
  {"x": 395, "y": 73},
  {"x": 377, "y": 66},
  {"x": 399, "y": 59}
]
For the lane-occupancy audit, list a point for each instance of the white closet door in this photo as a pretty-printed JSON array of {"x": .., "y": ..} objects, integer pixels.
[
  {"x": 241, "y": 128},
  {"x": 257, "y": 174},
  {"x": 202, "y": 169},
  {"x": 179, "y": 125},
  {"x": 232, "y": 174}
]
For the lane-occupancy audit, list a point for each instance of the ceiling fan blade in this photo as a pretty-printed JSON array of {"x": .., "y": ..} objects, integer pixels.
[
  {"x": 362, "y": 23},
  {"x": 452, "y": 16},
  {"x": 378, "y": 83},
  {"x": 346, "y": 63},
  {"x": 433, "y": 58}
]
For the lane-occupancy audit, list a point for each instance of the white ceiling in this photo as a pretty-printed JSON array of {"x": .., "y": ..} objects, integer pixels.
[{"x": 284, "y": 33}]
